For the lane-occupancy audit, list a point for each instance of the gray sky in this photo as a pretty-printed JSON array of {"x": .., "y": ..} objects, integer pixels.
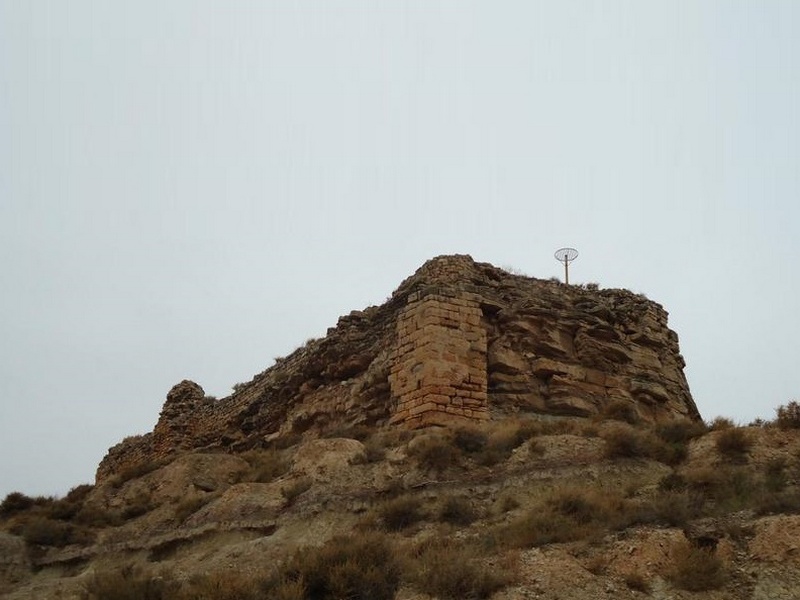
[{"x": 191, "y": 188}]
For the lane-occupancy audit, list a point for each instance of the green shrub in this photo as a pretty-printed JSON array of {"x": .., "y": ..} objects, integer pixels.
[{"x": 697, "y": 569}]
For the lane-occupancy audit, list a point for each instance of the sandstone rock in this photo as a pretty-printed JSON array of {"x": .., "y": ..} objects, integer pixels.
[
  {"x": 457, "y": 342},
  {"x": 14, "y": 561}
]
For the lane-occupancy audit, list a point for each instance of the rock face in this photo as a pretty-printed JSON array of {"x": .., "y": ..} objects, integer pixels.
[{"x": 457, "y": 341}]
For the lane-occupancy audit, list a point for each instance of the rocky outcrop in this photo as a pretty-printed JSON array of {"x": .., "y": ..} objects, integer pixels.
[{"x": 457, "y": 341}]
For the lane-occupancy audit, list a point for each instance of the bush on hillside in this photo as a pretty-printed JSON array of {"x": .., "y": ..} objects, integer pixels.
[{"x": 788, "y": 416}]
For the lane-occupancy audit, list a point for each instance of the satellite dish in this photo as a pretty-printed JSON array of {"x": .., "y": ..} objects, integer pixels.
[{"x": 566, "y": 256}]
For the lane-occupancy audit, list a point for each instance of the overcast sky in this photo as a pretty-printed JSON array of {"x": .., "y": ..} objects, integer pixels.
[{"x": 191, "y": 188}]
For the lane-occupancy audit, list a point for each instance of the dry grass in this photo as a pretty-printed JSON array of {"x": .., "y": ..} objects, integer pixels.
[
  {"x": 637, "y": 581},
  {"x": 788, "y": 416},
  {"x": 355, "y": 567},
  {"x": 569, "y": 514},
  {"x": 295, "y": 489},
  {"x": 457, "y": 510},
  {"x": 734, "y": 444},
  {"x": 129, "y": 583},
  {"x": 401, "y": 512},
  {"x": 450, "y": 570},
  {"x": 435, "y": 452},
  {"x": 265, "y": 465},
  {"x": 697, "y": 569}
]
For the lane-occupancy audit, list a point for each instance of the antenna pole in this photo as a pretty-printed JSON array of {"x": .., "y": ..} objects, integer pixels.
[{"x": 566, "y": 255}]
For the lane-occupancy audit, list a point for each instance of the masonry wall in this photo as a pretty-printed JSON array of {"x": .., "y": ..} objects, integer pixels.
[{"x": 438, "y": 369}]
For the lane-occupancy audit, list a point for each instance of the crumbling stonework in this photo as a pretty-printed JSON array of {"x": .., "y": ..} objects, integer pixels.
[
  {"x": 457, "y": 341},
  {"x": 438, "y": 372}
]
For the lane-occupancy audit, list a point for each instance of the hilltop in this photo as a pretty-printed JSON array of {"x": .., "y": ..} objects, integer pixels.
[{"x": 479, "y": 435}]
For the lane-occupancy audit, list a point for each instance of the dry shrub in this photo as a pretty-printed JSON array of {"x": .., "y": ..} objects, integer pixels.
[
  {"x": 435, "y": 452},
  {"x": 734, "y": 444},
  {"x": 220, "y": 585},
  {"x": 775, "y": 478},
  {"x": 188, "y": 506},
  {"x": 43, "y": 531},
  {"x": 626, "y": 442},
  {"x": 673, "y": 508},
  {"x": 265, "y": 465},
  {"x": 724, "y": 488},
  {"x": 135, "y": 471},
  {"x": 569, "y": 514},
  {"x": 619, "y": 410},
  {"x": 356, "y": 567},
  {"x": 374, "y": 449},
  {"x": 447, "y": 569},
  {"x": 401, "y": 512},
  {"x": 295, "y": 489},
  {"x": 788, "y": 416},
  {"x": 16, "y": 502},
  {"x": 697, "y": 569},
  {"x": 680, "y": 430},
  {"x": 507, "y": 503},
  {"x": 469, "y": 439},
  {"x": 721, "y": 423},
  {"x": 140, "y": 504},
  {"x": 128, "y": 583},
  {"x": 457, "y": 511},
  {"x": 637, "y": 581}
]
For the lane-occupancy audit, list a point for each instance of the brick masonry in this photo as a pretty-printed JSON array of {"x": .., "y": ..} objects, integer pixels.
[{"x": 438, "y": 368}]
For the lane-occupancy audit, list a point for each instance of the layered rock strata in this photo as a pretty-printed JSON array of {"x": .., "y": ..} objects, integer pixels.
[{"x": 457, "y": 341}]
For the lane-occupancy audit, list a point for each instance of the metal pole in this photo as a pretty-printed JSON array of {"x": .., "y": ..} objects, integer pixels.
[{"x": 566, "y": 272}]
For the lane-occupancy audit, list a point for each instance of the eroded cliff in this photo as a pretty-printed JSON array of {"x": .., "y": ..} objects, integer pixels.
[{"x": 457, "y": 341}]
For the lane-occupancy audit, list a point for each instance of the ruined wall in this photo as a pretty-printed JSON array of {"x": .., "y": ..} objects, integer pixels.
[
  {"x": 438, "y": 372},
  {"x": 457, "y": 341}
]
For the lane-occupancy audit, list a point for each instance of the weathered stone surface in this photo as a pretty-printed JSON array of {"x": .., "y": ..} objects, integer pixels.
[
  {"x": 14, "y": 561},
  {"x": 457, "y": 341}
]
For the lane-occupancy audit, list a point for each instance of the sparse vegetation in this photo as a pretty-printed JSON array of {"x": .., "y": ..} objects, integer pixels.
[
  {"x": 734, "y": 444},
  {"x": 265, "y": 465},
  {"x": 457, "y": 511},
  {"x": 356, "y": 567},
  {"x": 295, "y": 489},
  {"x": 637, "y": 581},
  {"x": 129, "y": 583},
  {"x": 697, "y": 569},
  {"x": 449, "y": 570},
  {"x": 435, "y": 452},
  {"x": 401, "y": 512},
  {"x": 788, "y": 416}
]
